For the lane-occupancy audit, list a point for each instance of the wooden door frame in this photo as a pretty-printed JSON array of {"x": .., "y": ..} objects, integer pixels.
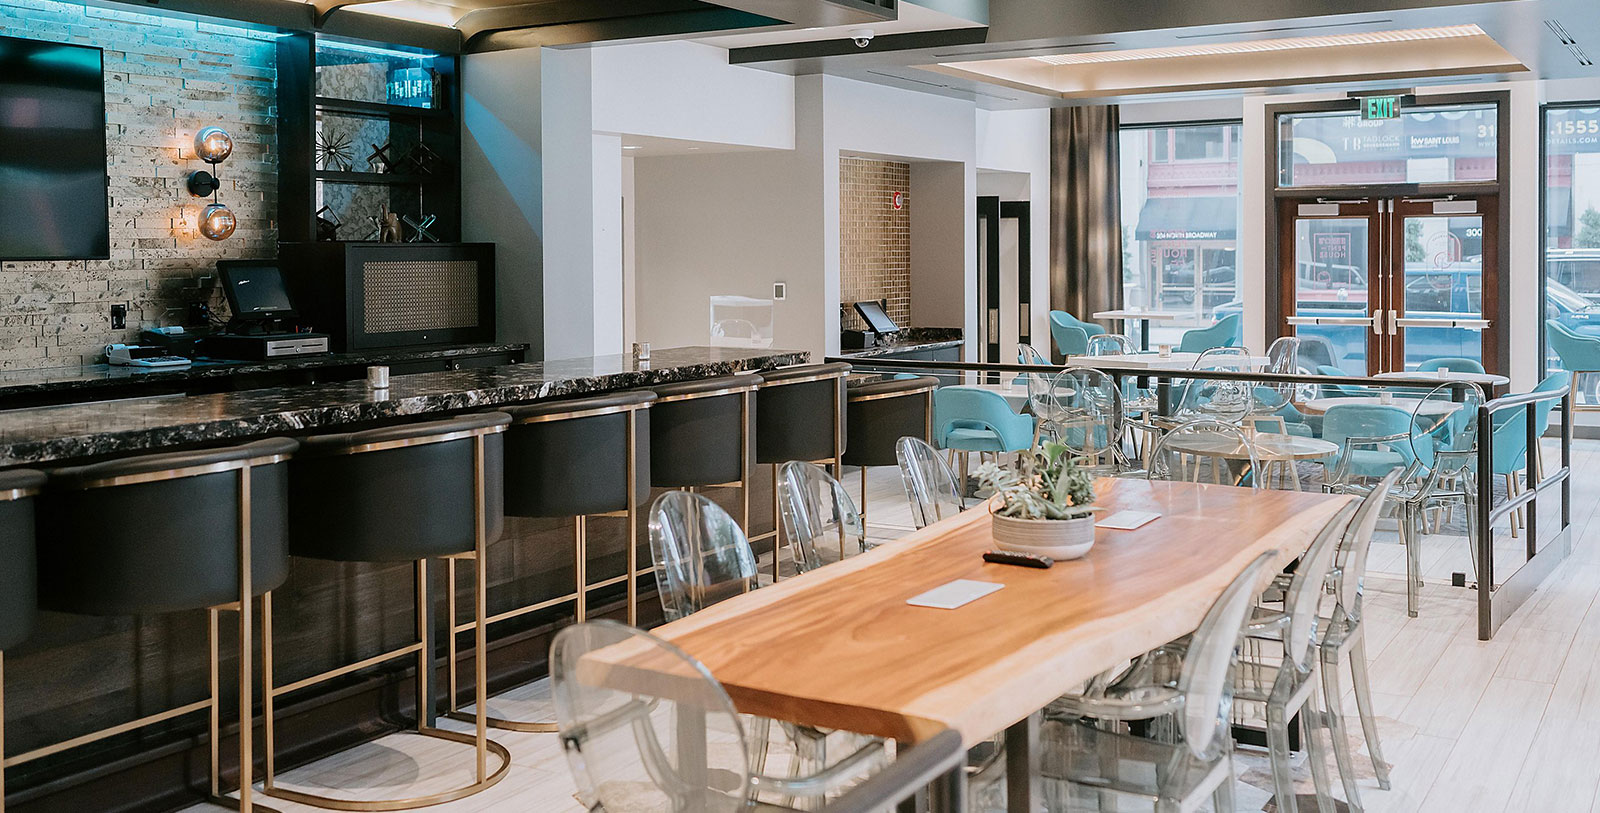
[{"x": 1500, "y": 187}]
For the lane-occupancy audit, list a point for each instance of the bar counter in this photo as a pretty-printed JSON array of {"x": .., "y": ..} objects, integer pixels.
[
  {"x": 42, "y": 435},
  {"x": 81, "y": 673}
]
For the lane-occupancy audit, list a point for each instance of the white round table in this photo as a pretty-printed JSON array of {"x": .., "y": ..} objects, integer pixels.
[
  {"x": 1431, "y": 407},
  {"x": 1451, "y": 375},
  {"x": 1270, "y": 448}
]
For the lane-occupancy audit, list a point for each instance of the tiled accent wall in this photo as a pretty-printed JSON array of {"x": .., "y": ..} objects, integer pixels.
[
  {"x": 165, "y": 78},
  {"x": 874, "y": 237}
]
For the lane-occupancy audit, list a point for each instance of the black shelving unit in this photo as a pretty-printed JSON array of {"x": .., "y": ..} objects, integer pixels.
[{"x": 438, "y": 127}]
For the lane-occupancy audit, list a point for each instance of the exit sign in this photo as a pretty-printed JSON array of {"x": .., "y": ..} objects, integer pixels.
[{"x": 1380, "y": 107}]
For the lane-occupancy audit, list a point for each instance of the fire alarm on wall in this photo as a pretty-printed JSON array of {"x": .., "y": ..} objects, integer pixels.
[{"x": 899, "y": 200}]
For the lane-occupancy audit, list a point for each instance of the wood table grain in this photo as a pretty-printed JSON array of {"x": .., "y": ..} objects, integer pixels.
[{"x": 840, "y": 648}]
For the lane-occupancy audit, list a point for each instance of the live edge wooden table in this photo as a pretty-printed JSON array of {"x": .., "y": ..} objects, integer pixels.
[{"x": 839, "y": 647}]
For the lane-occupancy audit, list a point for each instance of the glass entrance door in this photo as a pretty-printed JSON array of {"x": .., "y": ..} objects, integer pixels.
[
  {"x": 1327, "y": 280},
  {"x": 1439, "y": 309},
  {"x": 1384, "y": 284}
]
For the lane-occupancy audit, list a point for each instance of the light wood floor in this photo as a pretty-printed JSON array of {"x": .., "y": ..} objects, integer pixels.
[{"x": 1507, "y": 725}]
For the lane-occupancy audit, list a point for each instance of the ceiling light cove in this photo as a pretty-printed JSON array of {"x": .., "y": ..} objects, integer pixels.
[{"x": 1443, "y": 51}]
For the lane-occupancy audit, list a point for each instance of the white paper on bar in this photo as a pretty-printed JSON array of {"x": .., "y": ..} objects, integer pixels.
[
  {"x": 954, "y": 594},
  {"x": 1127, "y": 520}
]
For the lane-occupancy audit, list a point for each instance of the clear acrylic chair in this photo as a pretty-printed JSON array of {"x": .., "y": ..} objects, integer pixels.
[
  {"x": 1087, "y": 417},
  {"x": 1344, "y": 636},
  {"x": 929, "y": 482},
  {"x": 1286, "y": 683},
  {"x": 702, "y": 557},
  {"x": 1440, "y": 477},
  {"x": 1188, "y": 694},
  {"x": 1206, "y": 451},
  {"x": 818, "y": 516},
  {"x": 1283, "y": 357},
  {"x": 664, "y": 736},
  {"x": 1222, "y": 400},
  {"x": 1110, "y": 344}
]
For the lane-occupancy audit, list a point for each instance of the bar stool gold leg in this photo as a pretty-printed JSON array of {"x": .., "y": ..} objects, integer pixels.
[
  {"x": 580, "y": 567},
  {"x": 482, "y": 745},
  {"x": 633, "y": 520}
]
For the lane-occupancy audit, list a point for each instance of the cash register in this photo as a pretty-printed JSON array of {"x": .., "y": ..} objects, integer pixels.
[{"x": 262, "y": 326}]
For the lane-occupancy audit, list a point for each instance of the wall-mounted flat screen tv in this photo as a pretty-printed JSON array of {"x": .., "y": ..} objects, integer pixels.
[{"x": 52, "y": 152}]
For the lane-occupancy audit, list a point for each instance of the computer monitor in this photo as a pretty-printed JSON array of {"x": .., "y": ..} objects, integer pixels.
[
  {"x": 875, "y": 317},
  {"x": 255, "y": 290}
]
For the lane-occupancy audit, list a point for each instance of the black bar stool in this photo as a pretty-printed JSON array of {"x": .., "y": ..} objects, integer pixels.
[
  {"x": 801, "y": 413},
  {"x": 878, "y": 414},
  {"x": 573, "y": 458},
  {"x": 18, "y": 595},
  {"x": 165, "y": 533},
  {"x": 702, "y": 434},
  {"x": 400, "y": 494}
]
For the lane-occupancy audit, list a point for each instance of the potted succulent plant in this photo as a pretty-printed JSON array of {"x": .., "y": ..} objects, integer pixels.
[{"x": 1043, "y": 504}]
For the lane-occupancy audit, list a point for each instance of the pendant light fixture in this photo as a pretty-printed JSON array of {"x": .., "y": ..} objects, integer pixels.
[{"x": 212, "y": 145}]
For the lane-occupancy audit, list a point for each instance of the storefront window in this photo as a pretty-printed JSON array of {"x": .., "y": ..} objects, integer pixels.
[
  {"x": 1572, "y": 232},
  {"x": 1421, "y": 145},
  {"x": 1180, "y": 212}
]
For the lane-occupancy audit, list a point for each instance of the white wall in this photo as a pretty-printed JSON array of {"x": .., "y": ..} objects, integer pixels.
[
  {"x": 728, "y": 223},
  {"x": 1018, "y": 141},
  {"x": 688, "y": 91}
]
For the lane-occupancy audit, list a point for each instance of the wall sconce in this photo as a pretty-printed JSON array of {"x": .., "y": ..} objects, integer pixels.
[
  {"x": 212, "y": 145},
  {"x": 217, "y": 221}
]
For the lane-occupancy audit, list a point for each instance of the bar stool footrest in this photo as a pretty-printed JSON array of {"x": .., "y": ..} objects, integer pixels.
[
  {"x": 506, "y": 725},
  {"x": 412, "y": 803}
]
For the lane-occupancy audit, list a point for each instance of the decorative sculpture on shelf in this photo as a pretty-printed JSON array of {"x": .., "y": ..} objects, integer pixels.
[
  {"x": 391, "y": 231},
  {"x": 333, "y": 152},
  {"x": 419, "y": 229},
  {"x": 328, "y": 224},
  {"x": 379, "y": 160},
  {"x": 419, "y": 160}
]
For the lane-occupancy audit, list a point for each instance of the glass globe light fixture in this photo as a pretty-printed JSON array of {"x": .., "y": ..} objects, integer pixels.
[
  {"x": 213, "y": 144},
  {"x": 217, "y": 222}
]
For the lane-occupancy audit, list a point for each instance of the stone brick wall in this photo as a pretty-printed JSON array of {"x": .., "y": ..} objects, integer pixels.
[
  {"x": 874, "y": 237},
  {"x": 165, "y": 78}
]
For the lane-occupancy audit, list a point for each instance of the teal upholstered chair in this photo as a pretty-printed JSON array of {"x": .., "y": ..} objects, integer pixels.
[
  {"x": 1339, "y": 390},
  {"x": 1579, "y": 354},
  {"x": 1510, "y": 440},
  {"x": 1072, "y": 334},
  {"x": 1225, "y": 333},
  {"x": 1453, "y": 364},
  {"x": 972, "y": 419},
  {"x": 1373, "y": 440}
]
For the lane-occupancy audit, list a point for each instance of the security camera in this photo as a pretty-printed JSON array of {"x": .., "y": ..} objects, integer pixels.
[{"x": 862, "y": 36}]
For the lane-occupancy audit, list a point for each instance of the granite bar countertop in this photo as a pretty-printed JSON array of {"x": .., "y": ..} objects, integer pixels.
[
  {"x": 42, "y": 435},
  {"x": 90, "y": 377},
  {"x": 909, "y": 340}
]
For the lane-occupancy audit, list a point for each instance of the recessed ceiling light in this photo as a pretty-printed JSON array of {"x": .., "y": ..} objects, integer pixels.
[
  {"x": 630, "y": 146},
  {"x": 1263, "y": 46},
  {"x": 692, "y": 149}
]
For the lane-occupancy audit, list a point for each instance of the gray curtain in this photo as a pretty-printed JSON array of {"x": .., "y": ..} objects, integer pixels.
[{"x": 1085, "y": 211}]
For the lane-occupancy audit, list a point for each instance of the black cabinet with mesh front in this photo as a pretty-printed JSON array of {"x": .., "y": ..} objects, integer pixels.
[{"x": 375, "y": 295}]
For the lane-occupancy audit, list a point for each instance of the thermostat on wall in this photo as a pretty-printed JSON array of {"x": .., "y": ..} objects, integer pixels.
[{"x": 780, "y": 290}]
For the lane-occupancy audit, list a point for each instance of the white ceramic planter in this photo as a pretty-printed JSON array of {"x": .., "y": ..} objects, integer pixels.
[{"x": 1059, "y": 539}]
